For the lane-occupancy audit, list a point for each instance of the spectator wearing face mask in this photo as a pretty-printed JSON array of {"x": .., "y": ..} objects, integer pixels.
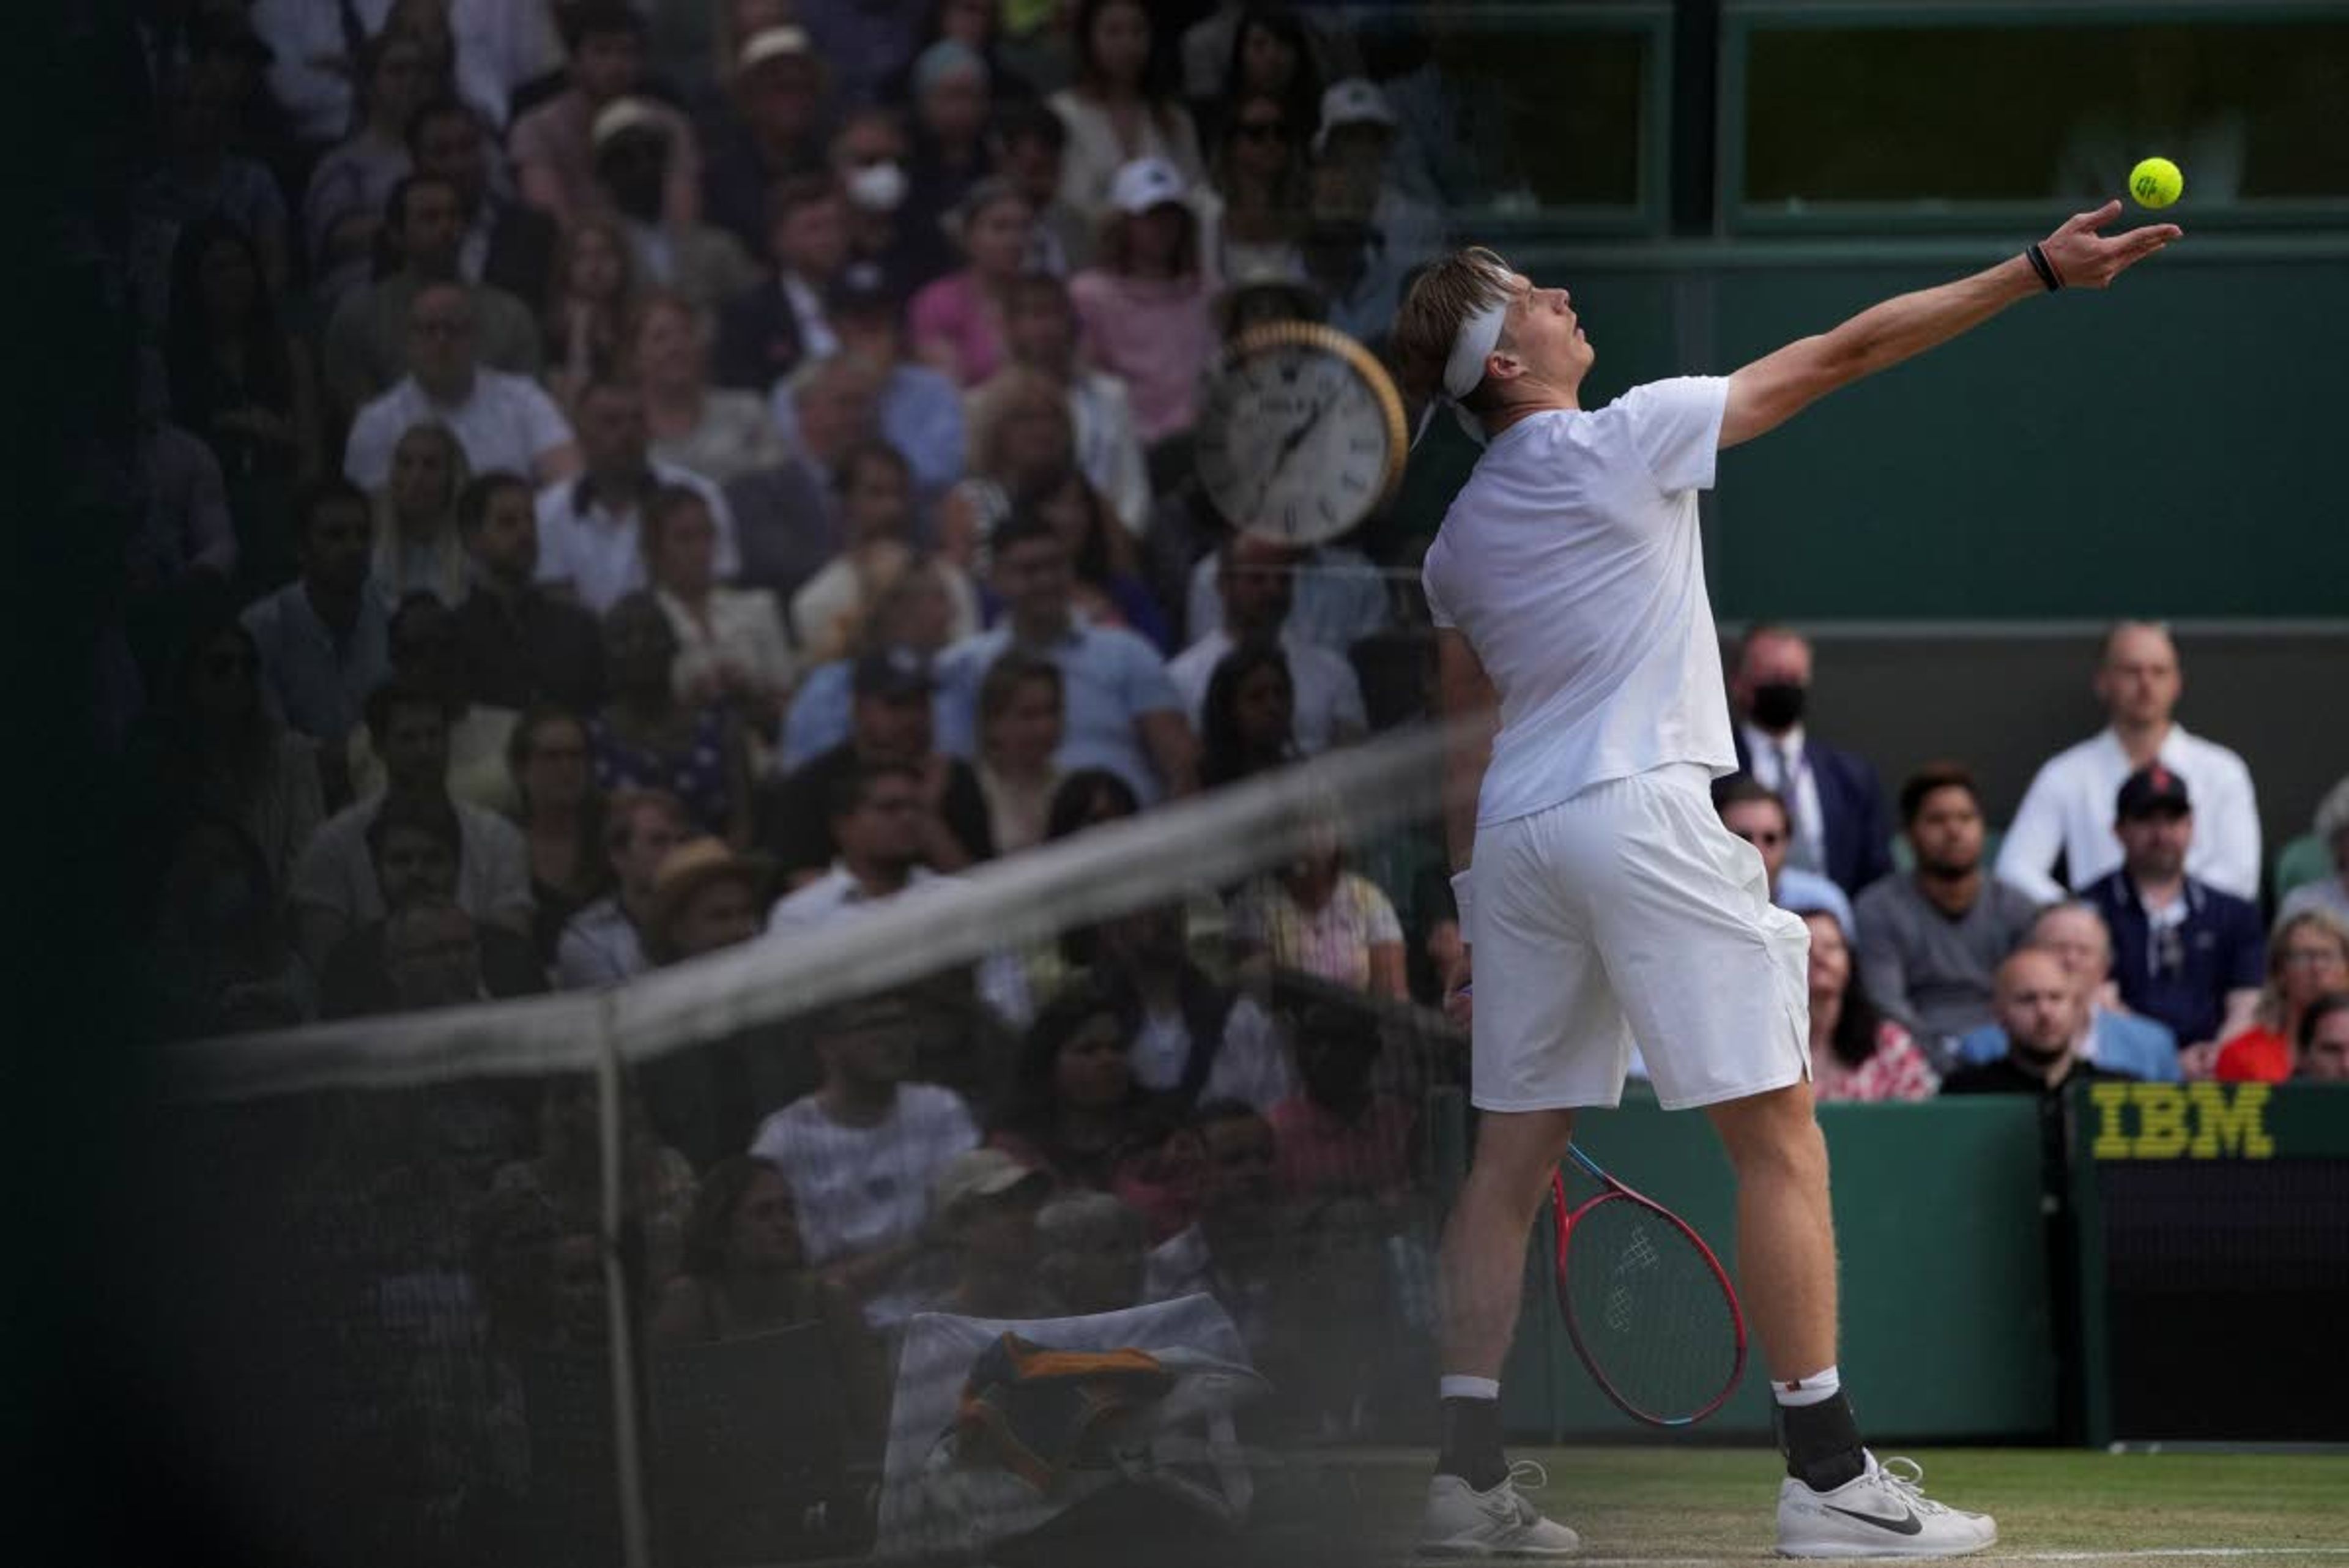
[{"x": 1835, "y": 802}]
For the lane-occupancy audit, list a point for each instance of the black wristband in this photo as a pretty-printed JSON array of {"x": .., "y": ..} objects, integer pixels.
[{"x": 2044, "y": 268}]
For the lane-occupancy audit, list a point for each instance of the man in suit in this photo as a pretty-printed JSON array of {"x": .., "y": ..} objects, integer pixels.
[
  {"x": 506, "y": 245},
  {"x": 1833, "y": 796},
  {"x": 765, "y": 333}
]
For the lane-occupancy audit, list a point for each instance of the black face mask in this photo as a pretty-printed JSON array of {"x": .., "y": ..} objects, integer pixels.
[{"x": 1778, "y": 705}]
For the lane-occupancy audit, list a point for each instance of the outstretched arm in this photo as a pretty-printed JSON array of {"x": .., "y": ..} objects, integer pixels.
[{"x": 1774, "y": 388}]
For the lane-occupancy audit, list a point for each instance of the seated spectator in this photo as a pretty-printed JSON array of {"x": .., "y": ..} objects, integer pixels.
[
  {"x": 889, "y": 723},
  {"x": 1337, "y": 598},
  {"x": 2332, "y": 894},
  {"x": 790, "y": 514},
  {"x": 200, "y": 176},
  {"x": 1020, "y": 440},
  {"x": 863, "y": 1155},
  {"x": 1929, "y": 942},
  {"x": 1248, "y": 719},
  {"x": 2038, "y": 1008},
  {"x": 417, "y": 548},
  {"x": 705, "y": 899},
  {"x": 986, "y": 1204},
  {"x": 831, "y": 611},
  {"x": 1093, "y": 1248},
  {"x": 219, "y": 753},
  {"x": 2075, "y": 932},
  {"x": 1857, "y": 1053},
  {"x": 1758, "y": 814},
  {"x": 956, "y": 321},
  {"x": 732, "y": 651},
  {"x": 519, "y": 645},
  {"x": 634, "y": 149},
  {"x": 1835, "y": 805},
  {"x": 1365, "y": 236},
  {"x": 1191, "y": 1040},
  {"x": 243, "y": 385},
  {"x": 1019, "y": 722},
  {"x": 775, "y": 84},
  {"x": 1256, "y": 582},
  {"x": 414, "y": 846},
  {"x": 1146, "y": 300},
  {"x": 1337, "y": 1137},
  {"x": 553, "y": 144},
  {"x": 718, "y": 433},
  {"x": 2324, "y": 1041},
  {"x": 502, "y": 421},
  {"x": 1074, "y": 1110},
  {"x": 1233, "y": 1252},
  {"x": 875, "y": 814},
  {"x": 424, "y": 655},
  {"x": 2186, "y": 955},
  {"x": 561, "y": 814},
  {"x": 1316, "y": 916},
  {"x": 915, "y": 611},
  {"x": 950, "y": 85},
  {"x": 324, "y": 640},
  {"x": 592, "y": 291},
  {"x": 334, "y": 888},
  {"x": 1101, "y": 555},
  {"x": 590, "y": 529},
  {"x": 1123, "y": 107},
  {"x": 2067, "y": 810},
  {"x": 867, "y": 156},
  {"x": 346, "y": 189},
  {"x": 780, "y": 323},
  {"x": 603, "y": 942},
  {"x": 369, "y": 345},
  {"x": 507, "y": 245},
  {"x": 1029, "y": 144},
  {"x": 1039, "y": 331},
  {"x": 567, "y": 1174},
  {"x": 1262, "y": 192},
  {"x": 646, "y": 737},
  {"x": 2308, "y": 960},
  {"x": 919, "y": 412},
  {"x": 745, "y": 1270},
  {"x": 1243, "y": 47},
  {"x": 977, "y": 25},
  {"x": 1121, "y": 711}
]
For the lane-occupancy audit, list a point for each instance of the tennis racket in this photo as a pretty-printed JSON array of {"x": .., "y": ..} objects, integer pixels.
[{"x": 1648, "y": 1307}]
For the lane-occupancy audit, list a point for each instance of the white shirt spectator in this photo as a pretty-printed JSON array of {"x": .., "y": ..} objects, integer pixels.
[
  {"x": 862, "y": 1189},
  {"x": 1252, "y": 1066},
  {"x": 1341, "y": 599},
  {"x": 1329, "y": 694},
  {"x": 597, "y": 549},
  {"x": 1109, "y": 452},
  {"x": 335, "y": 872},
  {"x": 1774, "y": 756},
  {"x": 2071, "y": 805},
  {"x": 500, "y": 47},
  {"x": 1000, "y": 982},
  {"x": 303, "y": 36},
  {"x": 599, "y": 946},
  {"x": 505, "y": 421},
  {"x": 744, "y": 632}
]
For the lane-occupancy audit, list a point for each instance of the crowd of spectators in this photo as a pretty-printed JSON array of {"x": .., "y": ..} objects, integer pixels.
[{"x": 610, "y": 499}]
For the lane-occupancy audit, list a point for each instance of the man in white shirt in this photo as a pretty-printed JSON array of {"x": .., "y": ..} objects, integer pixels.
[
  {"x": 590, "y": 528},
  {"x": 1578, "y": 667},
  {"x": 502, "y": 421},
  {"x": 1255, "y": 578},
  {"x": 2068, "y": 810}
]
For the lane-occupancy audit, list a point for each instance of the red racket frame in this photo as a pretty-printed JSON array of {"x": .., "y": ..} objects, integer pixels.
[{"x": 1615, "y": 1191}]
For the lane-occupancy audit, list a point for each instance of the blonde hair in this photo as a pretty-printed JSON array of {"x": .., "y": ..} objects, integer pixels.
[
  {"x": 988, "y": 411},
  {"x": 1446, "y": 294},
  {"x": 2328, "y": 924}
]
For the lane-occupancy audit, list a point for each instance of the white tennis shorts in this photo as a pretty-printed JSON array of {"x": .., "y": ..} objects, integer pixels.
[{"x": 1629, "y": 913}]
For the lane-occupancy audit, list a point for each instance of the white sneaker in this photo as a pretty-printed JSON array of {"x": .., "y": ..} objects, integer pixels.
[
  {"x": 1465, "y": 1522},
  {"x": 1880, "y": 1512}
]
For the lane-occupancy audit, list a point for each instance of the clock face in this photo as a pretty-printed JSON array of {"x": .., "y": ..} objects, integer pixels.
[{"x": 1301, "y": 434}]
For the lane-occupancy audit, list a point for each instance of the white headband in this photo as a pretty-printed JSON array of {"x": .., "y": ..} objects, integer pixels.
[{"x": 1478, "y": 335}]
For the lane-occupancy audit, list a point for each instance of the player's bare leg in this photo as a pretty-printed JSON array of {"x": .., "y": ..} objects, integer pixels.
[{"x": 1837, "y": 1500}]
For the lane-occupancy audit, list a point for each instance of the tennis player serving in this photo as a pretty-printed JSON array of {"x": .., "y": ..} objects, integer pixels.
[{"x": 1603, "y": 900}]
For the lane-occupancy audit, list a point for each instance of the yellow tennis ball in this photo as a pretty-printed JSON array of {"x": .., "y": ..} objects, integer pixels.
[{"x": 2155, "y": 182}]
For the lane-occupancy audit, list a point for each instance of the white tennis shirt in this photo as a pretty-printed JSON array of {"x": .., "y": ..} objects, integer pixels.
[{"x": 1571, "y": 561}]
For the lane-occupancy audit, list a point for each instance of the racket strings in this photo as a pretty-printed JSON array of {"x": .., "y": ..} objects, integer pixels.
[{"x": 1654, "y": 1318}]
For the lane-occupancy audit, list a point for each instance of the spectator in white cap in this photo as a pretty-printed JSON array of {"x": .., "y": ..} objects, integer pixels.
[
  {"x": 956, "y": 322},
  {"x": 1147, "y": 302},
  {"x": 776, "y": 85},
  {"x": 1123, "y": 107},
  {"x": 1365, "y": 236},
  {"x": 634, "y": 153},
  {"x": 553, "y": 145},
  {"x": 985, "y": 1203}
]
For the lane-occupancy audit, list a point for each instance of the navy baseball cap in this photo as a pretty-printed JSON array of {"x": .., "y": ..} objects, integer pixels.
[
  {"x": 891, "y": 674},
  {"x": 2152, "y": 788}
]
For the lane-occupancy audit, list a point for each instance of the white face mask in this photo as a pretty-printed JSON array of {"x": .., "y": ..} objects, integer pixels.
[{"x": 877, "y": 187}]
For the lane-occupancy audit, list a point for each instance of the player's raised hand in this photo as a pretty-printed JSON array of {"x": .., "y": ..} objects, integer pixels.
[{"x": 2083, "y": 258}]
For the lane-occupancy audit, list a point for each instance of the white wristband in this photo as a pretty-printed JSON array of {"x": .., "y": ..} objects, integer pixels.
[{"x": 1461, "y": 898}]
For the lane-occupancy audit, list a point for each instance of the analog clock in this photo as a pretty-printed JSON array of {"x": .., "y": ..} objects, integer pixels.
[{"x": 1301, "y": 433}]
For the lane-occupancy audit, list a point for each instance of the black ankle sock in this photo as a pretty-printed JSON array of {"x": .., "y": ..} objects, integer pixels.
[
  {"x": 1472, "y": 1443},
  {"x": 1822, "y": 1442}
]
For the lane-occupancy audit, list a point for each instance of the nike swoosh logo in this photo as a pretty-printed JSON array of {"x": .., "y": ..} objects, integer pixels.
[{"x": 1907, "y": 1524}]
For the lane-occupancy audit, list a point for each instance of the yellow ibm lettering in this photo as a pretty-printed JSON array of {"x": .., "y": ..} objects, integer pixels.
[
  {"x": 2235, "y": 1125},
  {"x": 2197, "y": 1121}
]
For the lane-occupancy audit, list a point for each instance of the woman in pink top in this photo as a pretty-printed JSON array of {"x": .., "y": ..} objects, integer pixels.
[
  {"x": 1145, "y": 302},
  {"x": 957, "y": 322},
  {"x": 1857, "y": 1053}
]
